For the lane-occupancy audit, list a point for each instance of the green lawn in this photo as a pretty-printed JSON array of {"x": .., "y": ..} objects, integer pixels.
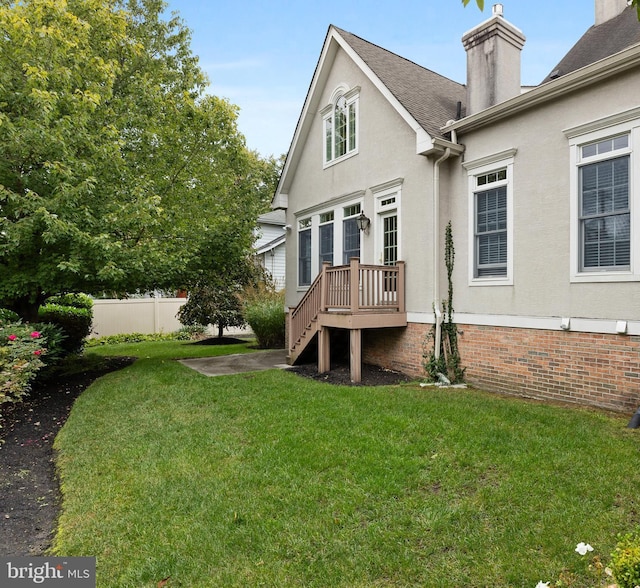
[{"x": 268, "y": 479}]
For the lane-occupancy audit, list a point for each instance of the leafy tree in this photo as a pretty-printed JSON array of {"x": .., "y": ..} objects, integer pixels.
[
  {"x": 214, "y": 290},
  {"x": 116, "y": 169}
]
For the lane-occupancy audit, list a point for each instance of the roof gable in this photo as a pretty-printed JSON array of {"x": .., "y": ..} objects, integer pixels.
[
  {"x": 600, "y": 42},
  {"x": 424, "y": 99},
  {"x": 431, "y": 99}
]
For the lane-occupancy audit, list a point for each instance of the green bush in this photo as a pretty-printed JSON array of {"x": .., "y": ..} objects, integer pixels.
[
  {"x": 75, "y": 323},
  {"x": 53, "y": 338},
  {"x": 625, "y": 561},
  {"x": 264, "y": 311},
  {"x": 21, "y": 354},
  {"x": 8, "y": 316},
  {"x": 76, "y": 300},
  {"x": 186, "y": 333}
]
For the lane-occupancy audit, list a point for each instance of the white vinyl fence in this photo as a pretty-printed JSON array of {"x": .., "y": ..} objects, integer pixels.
[{"x": 135, "y": 315}]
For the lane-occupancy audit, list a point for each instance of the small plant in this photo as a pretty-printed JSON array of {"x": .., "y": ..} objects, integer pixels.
[
  {"x": 21, "y": 353},
  {"x": 446, "y": 363},
  {"x": 264, "y": 311},
  {"x": 625, "y": 561}
]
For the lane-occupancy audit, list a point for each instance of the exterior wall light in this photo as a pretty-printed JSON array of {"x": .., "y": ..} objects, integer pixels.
[{"x": 363, "y": 222}]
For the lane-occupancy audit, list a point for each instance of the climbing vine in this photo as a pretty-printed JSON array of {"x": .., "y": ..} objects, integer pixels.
[{"x": 448, "y": 365}]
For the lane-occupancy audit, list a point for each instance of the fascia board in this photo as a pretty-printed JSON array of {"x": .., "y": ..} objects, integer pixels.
[{"x": 577, "y": 80}]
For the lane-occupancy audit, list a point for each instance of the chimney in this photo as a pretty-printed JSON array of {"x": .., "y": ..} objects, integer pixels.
[
  {"x": 493, "y": 61},
  {"x": 608, "y": 9}
]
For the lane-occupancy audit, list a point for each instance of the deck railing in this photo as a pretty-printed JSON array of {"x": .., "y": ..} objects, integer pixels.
[{"x": 355, "y": 288}]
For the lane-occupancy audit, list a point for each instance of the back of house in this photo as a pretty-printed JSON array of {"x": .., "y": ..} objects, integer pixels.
[{"x": 541, "y": 190}]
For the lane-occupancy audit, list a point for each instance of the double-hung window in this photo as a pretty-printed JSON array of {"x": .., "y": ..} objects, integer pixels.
[
  {"x": 491, "y": 225},
  {"x": 604, "y": 205},
  {"x": 605, "y": 216},
  {"x": 304, "y": 252},
  {"x": 491, "y": 219},
  {"x": 340, "y": 125}
]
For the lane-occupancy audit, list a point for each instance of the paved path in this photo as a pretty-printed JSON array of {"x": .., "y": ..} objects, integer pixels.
[{"x": 239, "y": 363}]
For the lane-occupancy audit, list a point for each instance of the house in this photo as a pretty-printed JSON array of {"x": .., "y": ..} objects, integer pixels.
[
  {"x": 270, "y": 245},
  {"x": 542, "y": 189}
]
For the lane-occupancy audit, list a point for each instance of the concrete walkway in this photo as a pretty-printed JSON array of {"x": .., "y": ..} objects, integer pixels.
[{"x": 227, "y": 365}]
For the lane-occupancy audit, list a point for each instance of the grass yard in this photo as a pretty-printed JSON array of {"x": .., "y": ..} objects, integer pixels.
[{"x": 269, "y": 479}]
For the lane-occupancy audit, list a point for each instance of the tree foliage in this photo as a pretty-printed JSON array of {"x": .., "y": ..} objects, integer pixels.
[{"x": 116, "y": 170}]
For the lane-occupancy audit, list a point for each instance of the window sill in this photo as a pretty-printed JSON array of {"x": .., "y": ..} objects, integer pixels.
[
  {"x": 505, "y": 281},
  {"x": 595, "y": 277},
  {"x": 331, "y": 163}
]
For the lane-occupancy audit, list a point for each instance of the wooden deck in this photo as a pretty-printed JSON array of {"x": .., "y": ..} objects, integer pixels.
[{"x": 352, "y": 297}]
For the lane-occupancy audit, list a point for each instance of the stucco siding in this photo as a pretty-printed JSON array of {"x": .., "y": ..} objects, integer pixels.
[
  {"x": 386, "y": 152},
  {"x": 542, "y": 197}
]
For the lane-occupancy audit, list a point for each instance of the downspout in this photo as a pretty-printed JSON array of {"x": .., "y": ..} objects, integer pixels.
[{"x": 436, "y": 249}]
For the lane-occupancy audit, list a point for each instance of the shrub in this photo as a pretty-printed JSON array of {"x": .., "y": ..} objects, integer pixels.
[
  {"x": 625, "y": 561},
  {"x": 74, "y": 321},
  {"x": 53, "y": 339},
  {"x": 76, "y": 300},
  {"x": 21, "y": 353},
  {"x": 186, "y": 333},
  {"x": 8, "y": 316},
  {"x": 264, "y": 311}
]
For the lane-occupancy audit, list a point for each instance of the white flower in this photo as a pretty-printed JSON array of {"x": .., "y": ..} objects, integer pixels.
[
  {"x": 542, "y": 585},
  {"x": 583, "y": 548}
]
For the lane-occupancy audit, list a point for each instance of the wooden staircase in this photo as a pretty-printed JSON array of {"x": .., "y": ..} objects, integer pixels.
[{"x": 353, "y": 297}]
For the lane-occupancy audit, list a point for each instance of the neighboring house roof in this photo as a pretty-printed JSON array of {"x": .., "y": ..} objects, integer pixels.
[
  {"x": 600, "y": 42},
  {"x": 271, "y": 245},
  {"x": 275, "y": 217},
  {"x": 430, "y": 98}
]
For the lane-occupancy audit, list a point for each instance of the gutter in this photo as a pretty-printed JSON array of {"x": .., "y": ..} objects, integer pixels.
[
  {"x": 436, "y": 250},
  {"x": 445, "y": 149}
]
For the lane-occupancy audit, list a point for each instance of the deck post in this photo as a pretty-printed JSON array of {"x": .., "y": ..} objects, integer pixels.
[
  {"x": 324, "y": 286},
  {"x": 400, "y": 286},
  {"x": 354, "y": 283},
  {"x": 324, "y": 350},
  {"x": 355, "y": 336}
]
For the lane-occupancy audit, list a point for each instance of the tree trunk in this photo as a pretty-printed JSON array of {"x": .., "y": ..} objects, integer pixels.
[
  {"x": 220, "y": 330},
  {"x": 27, "y": 307}
]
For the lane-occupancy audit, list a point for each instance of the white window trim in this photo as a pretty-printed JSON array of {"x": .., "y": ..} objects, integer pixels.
[
  {"x": 299, "y": 229},
  {"x": 380, "y": 194},
  {"x": 352, "y": 97},
  {"x": 590, "y": 133},
  {"x": 479, "y": 167},
  {"x": 336, "y": 206}
]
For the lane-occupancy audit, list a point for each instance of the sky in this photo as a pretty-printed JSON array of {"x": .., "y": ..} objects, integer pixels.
[{"x": 261, "y": 54}]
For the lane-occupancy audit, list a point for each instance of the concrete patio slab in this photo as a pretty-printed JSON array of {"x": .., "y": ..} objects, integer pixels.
[{"x": 227, "y": 365}]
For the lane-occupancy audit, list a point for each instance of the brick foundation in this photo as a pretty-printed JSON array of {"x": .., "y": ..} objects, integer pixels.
[{"x": 582, "y": 368}]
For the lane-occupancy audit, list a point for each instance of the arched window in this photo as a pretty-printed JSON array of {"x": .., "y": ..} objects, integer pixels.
[{"x": 341, "y": 125}]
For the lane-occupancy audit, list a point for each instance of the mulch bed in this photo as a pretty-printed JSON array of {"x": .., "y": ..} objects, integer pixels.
[
  {"x": 29, "y": 490},
  {"x": 341, "y": 375}
]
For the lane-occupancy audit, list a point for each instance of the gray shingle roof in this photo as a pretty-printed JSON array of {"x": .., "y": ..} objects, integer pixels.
[
  {"x": 599, "y": 42},
  {"x": 430, "y": 98}
]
